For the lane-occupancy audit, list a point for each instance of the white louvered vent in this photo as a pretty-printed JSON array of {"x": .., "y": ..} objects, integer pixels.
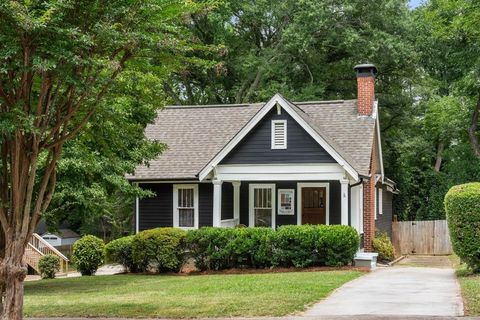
[{"x": 279, "y": 134}]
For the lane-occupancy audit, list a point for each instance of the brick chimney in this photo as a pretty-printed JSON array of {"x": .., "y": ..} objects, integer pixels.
[{"x": 365, "y": 88}]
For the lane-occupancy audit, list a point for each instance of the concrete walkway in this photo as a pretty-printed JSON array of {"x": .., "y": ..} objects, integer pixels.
[{"x": 405, "y": 290}]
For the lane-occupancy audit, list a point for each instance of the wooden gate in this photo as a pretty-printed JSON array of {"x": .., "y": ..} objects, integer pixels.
[{"x": 421, "y": 237}]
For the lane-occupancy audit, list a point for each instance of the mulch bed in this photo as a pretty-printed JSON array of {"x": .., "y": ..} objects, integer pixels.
[{"x": 190, "y": 270}]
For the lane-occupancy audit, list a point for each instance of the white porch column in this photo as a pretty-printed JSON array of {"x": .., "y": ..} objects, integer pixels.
[
  {"x": 344, "y": 193},
  {"x": 236, "y": 201},
  {"x": 217, "y": 202}
]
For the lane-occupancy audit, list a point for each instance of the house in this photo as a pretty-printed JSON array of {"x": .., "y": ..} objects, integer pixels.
[
  {"x": 269, "y": 164},
  {"x": 63, "y": 237}
]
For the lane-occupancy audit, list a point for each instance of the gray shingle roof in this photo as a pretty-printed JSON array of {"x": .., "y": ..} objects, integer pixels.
[{"x": 195, "y": 134}]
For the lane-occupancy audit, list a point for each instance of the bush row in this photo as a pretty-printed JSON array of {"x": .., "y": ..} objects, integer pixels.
[{"x": 165, "y": 249}]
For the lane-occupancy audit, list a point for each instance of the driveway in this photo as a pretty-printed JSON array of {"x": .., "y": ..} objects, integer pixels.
[{"x": 409, "y": 289}]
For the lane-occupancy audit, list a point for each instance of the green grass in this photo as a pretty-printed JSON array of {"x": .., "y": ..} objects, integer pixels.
[
  {"x": 272, "y": 294},
  {"x": 470, "y": 285}
]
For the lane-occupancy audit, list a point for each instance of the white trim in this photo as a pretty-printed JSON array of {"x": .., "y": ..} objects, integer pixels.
[
  {"x": 301, "y": 185},
  {"x": 236, "y": 200},
  {"x": 217, "y": 203},
  {"x": 251, "y": 213},
  {"x": 195, "y": 204},
  {"x": 283, "y": 172},
  {"x": 361, "y": 209},
  {"x": 380, "y": 201},
  {"x": 255, "y": 119},
  {"x": 355, "y": 205},
  {"x": 137, "y": 212},
  {"x": 344, "y": 202},
  {"x": 379, "y": 144},
  {"x": 137, "y": 215},
  {"x": 274, "y": 133},
  {"x": 375, "y": 202}
]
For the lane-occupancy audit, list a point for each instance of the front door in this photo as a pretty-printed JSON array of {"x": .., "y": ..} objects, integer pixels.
[{"x": 313, "y": 205}]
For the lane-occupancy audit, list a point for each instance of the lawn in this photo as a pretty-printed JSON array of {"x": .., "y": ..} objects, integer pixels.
[
  {"x": 470, "y": 285},
  {"x": 270, "y": 294}
]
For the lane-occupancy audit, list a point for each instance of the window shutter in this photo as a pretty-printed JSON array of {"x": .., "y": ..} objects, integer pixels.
[{"x": 279, "y": 134}]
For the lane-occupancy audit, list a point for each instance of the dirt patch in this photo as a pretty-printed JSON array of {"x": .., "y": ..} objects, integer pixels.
[
  {"x": 194, "y": 272},
  {"x": 426, "y": 262}
]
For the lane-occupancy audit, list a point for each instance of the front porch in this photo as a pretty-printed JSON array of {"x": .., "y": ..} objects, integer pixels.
[{"x": 275, "y": 195}]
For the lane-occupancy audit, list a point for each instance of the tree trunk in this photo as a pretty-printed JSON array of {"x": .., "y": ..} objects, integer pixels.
[
  {"x": 472, "y": 130},
  {"x": 438, "y": 162},
  {"x": 13, "y": 273}
]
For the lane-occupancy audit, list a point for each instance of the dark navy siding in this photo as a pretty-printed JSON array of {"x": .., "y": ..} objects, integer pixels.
[
  {"x": 335, "y": 201},
  {"x": 384, "y": 221},
  {"x": 255, "y": 148},
  {"x": 156, "y": 211},
  {"x": 205, "y": 204},
  {"x": 227, "y": 200}
]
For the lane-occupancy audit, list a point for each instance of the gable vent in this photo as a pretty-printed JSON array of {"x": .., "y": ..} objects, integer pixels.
[{"x": 279, "y": 134}]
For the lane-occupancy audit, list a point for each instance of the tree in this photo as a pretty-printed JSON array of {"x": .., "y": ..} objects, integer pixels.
[{"x": 59, "y": 60}]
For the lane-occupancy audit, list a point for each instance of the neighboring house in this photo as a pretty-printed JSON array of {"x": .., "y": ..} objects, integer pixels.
[
  {"x": 64, "y": 237},
  {"x": 270, "y": 164}
]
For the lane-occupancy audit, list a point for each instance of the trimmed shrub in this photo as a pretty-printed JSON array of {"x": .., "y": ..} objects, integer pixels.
[
  {"x": 338, "y": 244},
  {"x": 462, "y": 205},
  {"x": 289, "y": 246},
  {"x": 384, "y": 247},
  {"x": 87, "y": 254},
  {"x": 120, "y": 251},
  {"x": 49, "y": 265},
  {"x": 222, "y": 248},
  {"x": 162, "y": 249},
  {"x": 296, "y": 246}
]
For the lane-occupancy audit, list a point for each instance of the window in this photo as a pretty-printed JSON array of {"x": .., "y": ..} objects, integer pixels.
[
  {"x": 185, "y": 206},
  {"x": 279, "y": 134},
  {"x": 262, "y": 205}
]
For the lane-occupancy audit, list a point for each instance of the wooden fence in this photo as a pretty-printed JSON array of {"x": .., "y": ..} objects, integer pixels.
[{"x": 421, "y": 237}]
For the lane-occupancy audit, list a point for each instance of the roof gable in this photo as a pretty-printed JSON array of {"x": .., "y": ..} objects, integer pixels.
[
  {"x": 256, "y": 146},
  {"x": 297, "y": 115}
]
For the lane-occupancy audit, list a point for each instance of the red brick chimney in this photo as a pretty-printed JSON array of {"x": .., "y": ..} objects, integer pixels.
[
  {"x": 365, "y": 99},
  {"x": 365, "y": 88}
]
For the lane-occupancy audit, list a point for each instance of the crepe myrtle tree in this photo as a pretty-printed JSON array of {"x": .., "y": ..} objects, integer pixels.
[{"x": 58, "y": 62}]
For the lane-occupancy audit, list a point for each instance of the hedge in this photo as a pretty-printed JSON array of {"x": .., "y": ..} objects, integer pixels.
[
  {"x": 462, "y": 205},
  {"x": 297, "y": 246},
  {"x": 161, "y": 249},
  {"x": 166, "y": 249},
  {"x": 49, "y": 265},
  {"x": 87, "y": 254},
  {"x": 222, "y": 248},
  {"x": 120, "y": 251}
]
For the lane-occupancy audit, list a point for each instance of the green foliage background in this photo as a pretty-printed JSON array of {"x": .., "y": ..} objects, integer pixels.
[{"x": 228, "y": 51}]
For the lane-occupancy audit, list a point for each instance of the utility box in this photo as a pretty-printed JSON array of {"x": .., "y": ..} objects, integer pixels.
[{"x": 366, "y": 259}]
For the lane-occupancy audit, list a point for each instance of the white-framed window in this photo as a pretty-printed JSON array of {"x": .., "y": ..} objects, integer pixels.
[
  {"x": 262, "y": 205},
  {"x": 185, "y": 206},
  {"x": 279, "y": 134},
  {"x": 375, "y": 206},
  {"x": 380, "y": 201}
]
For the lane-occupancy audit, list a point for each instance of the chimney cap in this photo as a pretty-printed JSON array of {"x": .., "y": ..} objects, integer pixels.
[{"x": 365, "y": 70}]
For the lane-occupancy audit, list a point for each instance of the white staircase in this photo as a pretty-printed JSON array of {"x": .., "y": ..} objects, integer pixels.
[{"x": 37, "y": 248}]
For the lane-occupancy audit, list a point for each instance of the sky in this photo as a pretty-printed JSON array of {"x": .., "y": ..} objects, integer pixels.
[{"x": 415, "y": 3}]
